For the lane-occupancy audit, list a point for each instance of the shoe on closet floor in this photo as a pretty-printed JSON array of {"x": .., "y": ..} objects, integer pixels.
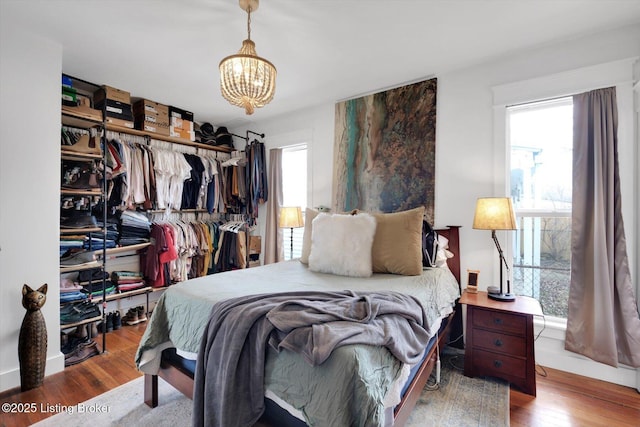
[
  {"x": 131, "y": 318},
  {"x": 117, "y": 320},
  {"x": 82, "y": 353},
  {"x": 142, "y": 314}
]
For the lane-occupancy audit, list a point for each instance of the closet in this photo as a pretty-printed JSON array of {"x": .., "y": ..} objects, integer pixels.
[{"x": 141, "y": 211}]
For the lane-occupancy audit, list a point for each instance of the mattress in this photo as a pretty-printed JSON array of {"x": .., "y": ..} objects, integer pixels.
[{"x": 183, "y": 310}]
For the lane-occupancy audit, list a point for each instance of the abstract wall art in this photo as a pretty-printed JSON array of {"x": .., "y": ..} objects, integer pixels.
[{"x": 384, "y": 150}]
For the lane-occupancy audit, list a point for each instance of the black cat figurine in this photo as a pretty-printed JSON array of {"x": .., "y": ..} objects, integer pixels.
[{"x": 32, "y": 343}]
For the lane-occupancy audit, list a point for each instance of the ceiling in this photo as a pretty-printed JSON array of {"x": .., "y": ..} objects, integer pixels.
[{"x": 325, "y": 50}]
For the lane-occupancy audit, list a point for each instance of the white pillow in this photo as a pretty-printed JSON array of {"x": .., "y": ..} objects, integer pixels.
[
  {"x": 341, "y": 244},
  {"x": 309, "y": 215}
]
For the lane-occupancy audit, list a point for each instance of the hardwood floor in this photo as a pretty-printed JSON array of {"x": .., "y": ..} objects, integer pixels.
[{"x": 563, "y": 399}]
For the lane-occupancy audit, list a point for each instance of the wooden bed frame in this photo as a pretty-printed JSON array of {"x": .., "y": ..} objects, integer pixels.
[{"x": 182, "y": 379}]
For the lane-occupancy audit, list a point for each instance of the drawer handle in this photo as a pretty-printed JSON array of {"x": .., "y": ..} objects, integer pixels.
[
  {"x": 498, "y": 343},
  {"x": 497, "y": 363},
  {"x": 497, "y": 321}
]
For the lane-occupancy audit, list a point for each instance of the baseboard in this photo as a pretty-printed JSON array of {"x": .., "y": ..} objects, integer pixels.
[
  {"x": 550, "y": 352},
  {"x": 11, "y": 379}
]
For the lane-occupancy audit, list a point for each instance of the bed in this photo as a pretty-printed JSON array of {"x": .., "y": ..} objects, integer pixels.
[{"x": 174, "y": 333}]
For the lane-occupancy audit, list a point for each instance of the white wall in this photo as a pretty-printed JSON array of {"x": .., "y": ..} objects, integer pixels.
[
  {"x": 30, "y": 71},
  {"x": 467, "y": 160}
]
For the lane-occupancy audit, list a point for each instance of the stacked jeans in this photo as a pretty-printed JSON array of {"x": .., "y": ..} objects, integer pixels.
[{"x": 135, "y": 228}]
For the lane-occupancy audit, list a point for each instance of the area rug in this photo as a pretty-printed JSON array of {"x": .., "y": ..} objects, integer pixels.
[{"x": 457, "y": 401}]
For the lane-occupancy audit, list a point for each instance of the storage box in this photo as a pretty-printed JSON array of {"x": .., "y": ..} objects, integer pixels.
[
  {"x": 152, "y": 127},
  {"x": 108, "y": 92},
  {"x": 161, "y": 120},
  {"x": 144, "y": 106},
  {"x": 119, "y": 122},
  {"x": 115, "y": 109},
  {"x": 179, "y": 113},
  {"x": 181, "y": 133},
  {"x": 181, "y": 124},
  {"x": 255, "y": 244}
]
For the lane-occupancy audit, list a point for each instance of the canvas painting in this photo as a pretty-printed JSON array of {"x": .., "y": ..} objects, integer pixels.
[{"x": 385, "y": 150}]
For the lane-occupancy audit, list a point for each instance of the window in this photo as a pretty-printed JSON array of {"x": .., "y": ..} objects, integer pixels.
[
  {"x": 294, "y": 192},
  {"x": 540, "y": 137}
]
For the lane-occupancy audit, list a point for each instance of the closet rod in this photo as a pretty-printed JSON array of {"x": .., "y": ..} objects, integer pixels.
[{"x": 261, "y": 135}]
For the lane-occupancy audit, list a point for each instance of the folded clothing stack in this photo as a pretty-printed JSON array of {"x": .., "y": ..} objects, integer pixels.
[
  {"x": 71, "y": 242},
  {"x": 92, "y": 281},
  {"x": 70, "y": 290},
  {"x": 110, "y": 234},
  {"x": 135, "y": 228},
  {"x": 128, "y": 280},
  {"x": 77, "y": 312}
]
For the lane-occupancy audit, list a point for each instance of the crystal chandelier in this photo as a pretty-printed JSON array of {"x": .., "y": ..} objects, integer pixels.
[{"x": 246, "y": 80}]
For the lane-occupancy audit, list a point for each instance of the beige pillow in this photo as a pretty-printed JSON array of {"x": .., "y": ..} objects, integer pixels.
[
  {"x": 397, "y": 244},
  {"x": 309, "y": 215}
]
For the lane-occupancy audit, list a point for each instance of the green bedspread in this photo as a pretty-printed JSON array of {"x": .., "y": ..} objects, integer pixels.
[{"x": 350, "y": 387}]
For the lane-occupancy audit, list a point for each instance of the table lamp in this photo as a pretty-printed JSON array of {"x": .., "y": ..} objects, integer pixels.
[
  {"x": 291, "y": 217},
  {"x": 496, "y": 213}
]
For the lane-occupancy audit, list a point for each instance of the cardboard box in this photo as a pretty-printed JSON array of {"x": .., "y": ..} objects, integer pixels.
[
  {"x": 181, "y": 124},
  {"x": 119, "y": 122},
  {"x": 255, "y": 244},
  {"x": 179, "y": 113},
  {"x": 183, "y": 134},
  {"x": 144, "y": 106},
  {"x": 161, "y": 119},
  {"x": 108, "y": 92},
  {"x": 152, "y": 127}
]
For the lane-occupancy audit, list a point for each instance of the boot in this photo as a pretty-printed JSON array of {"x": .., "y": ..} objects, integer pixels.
[
  {"x": 142, "y": 315},
  {"x": 131, "y": 318},
  {"x": 117, "y": 320},
  {"x": 94, "y": 329}
]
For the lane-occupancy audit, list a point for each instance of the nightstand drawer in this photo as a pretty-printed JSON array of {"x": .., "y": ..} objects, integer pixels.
[
  {"x": 496, "y": 320},
  {"x": 499, "y": 365},
  {"x": 497, "y": 342}
]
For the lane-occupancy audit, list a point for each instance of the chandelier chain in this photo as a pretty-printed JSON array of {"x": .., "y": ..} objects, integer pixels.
[{"x": 249, "y": 22}]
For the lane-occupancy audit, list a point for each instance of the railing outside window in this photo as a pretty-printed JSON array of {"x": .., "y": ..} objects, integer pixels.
[{"x": 542, "y": 260}]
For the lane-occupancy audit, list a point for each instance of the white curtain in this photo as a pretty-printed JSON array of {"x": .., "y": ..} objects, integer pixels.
[
  {"x": 273, "y": 247},
  {"x": 603, "y": 322}
]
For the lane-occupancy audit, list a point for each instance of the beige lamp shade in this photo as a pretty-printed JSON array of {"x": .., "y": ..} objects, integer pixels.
[
  {"x": 494, "y": 213},
  {"x": 291, "y": 217}
]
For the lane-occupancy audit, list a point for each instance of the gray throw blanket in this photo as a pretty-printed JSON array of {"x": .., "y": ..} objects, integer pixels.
[{"x": 229, "y": 378}]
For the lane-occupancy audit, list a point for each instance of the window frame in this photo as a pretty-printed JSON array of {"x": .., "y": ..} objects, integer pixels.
[{"x": 564, "y": 84}]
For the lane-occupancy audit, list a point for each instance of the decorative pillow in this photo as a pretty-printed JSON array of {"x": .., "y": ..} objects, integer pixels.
[
  {"x": 309, "y": 215},
  {"x": 397, "y": 245},
  {"x": 341, "y": 244}
]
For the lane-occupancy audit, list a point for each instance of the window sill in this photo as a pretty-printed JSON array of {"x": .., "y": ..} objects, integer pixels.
[{"x": 550, "y": 327}]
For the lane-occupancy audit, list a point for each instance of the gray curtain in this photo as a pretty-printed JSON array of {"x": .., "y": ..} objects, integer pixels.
[
  {"x": 273, "y": 249},
  {"x": 603, "y": 322}
]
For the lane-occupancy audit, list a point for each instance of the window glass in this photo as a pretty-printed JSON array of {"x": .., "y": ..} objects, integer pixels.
[
  {"x": 541, "y": 147},
  {"x": 294, "y": 193}
]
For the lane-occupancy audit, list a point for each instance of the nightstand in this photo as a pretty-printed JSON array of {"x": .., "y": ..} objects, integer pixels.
[{"x": 500, "y": 339}]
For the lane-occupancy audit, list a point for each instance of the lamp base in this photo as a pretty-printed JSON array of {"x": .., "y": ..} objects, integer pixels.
[
  {"x": 493, "y": 290},
  {"x": 502, "y": 297}
]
